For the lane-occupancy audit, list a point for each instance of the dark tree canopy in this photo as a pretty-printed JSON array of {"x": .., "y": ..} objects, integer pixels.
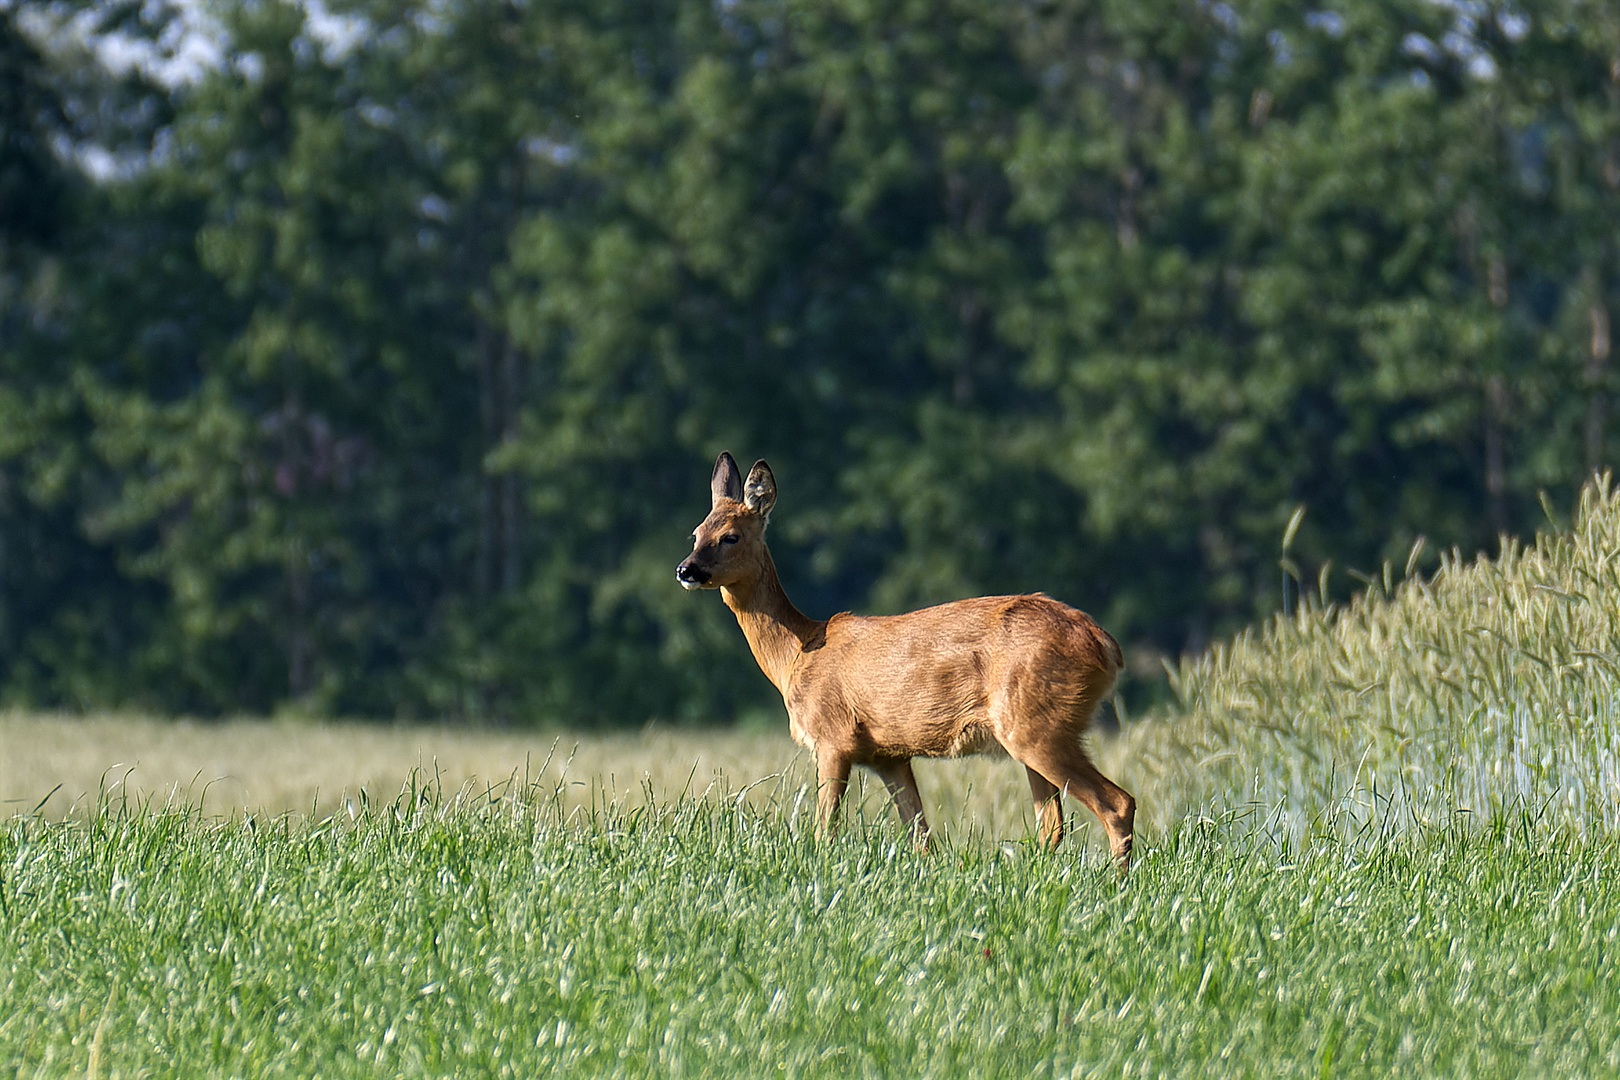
[{"x": 384, "y": 376}]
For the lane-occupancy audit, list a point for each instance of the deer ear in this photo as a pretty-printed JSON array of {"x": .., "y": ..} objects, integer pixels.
[
  {"x": 759, "y": 493},
  {"x": 726, "y": 483}
]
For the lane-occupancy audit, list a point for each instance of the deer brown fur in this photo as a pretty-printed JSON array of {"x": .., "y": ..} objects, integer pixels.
[{"x": 1023, "y": 674}]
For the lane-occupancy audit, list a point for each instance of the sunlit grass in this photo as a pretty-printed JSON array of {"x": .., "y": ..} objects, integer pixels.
[
  {"x": 319, "y": 769},
  {"x": 63, "y": 765}
]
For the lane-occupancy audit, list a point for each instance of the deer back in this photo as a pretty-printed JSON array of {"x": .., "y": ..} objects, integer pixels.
[{"x": 953, "y": 679}]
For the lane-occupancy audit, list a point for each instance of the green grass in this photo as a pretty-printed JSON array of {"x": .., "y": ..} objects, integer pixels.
[
  {"x": 495, "y": 937},
  {"x": 1374, "y": 838}
]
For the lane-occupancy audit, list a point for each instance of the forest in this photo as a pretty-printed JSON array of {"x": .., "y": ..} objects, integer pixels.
[{"x": 368, "y": 358}]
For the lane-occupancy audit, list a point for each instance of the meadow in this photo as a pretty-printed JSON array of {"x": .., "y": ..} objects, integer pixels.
[
  {"x": 497, "y": 937},
  {"x": 1374, "y": 836}
]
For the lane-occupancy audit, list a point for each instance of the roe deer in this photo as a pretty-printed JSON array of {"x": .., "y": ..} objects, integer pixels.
[{"x": 1019, "y": 673}]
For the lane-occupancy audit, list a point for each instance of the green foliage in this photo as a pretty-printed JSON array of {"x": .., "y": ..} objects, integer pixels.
[
  {"x": 384, "y": 377},
  {"x": 489, "y": 935}
]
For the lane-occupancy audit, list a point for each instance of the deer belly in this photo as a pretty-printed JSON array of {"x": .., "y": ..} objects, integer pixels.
[
  {"x": 974, "y": 738},
  {"x": 885, "y": 738}
]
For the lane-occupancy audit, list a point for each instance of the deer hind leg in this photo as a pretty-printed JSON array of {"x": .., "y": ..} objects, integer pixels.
[
  {"x": 902, "y": 784},
  {"x": 1048, "y": 808},
  {"x": 832, "y": 774},
  {"x": 1067, "y": 768}
]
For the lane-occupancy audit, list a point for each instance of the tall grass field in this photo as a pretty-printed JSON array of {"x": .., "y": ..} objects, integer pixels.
[{"x": 1373, "y": 838}]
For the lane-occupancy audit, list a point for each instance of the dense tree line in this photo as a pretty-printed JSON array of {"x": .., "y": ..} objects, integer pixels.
[{"x": 375, "y": 363}]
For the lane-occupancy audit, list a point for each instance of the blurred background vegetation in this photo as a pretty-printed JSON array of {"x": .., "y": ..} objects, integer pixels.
[{"x": 369, "y": 357}]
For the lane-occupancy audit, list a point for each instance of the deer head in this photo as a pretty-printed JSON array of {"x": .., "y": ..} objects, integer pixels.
[{"x": 729, "y": 546}]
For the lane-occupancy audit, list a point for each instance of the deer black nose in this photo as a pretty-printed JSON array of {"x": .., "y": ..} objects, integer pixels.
[{"x": 688, "y": 574}]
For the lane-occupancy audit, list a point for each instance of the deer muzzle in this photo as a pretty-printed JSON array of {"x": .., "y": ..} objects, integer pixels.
[{"x": 691, "y": 577}]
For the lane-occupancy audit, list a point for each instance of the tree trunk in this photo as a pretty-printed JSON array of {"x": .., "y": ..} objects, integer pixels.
[
  {"x": 511, "y": 489},
  {"x": 290, "y": 479},
  {"x": 300, "y": 647},
  {"x": 1495, "y": 470},
  {"x": 1597, "y": 404},
  {"x": 489, "y": 503},
  {"x": 500, "y": 504}
]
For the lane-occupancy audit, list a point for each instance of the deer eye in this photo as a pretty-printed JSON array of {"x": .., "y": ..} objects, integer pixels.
[{"x": 730, "y": 538}]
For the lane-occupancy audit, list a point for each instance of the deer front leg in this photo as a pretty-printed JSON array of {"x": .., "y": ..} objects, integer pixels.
[
  {"x": 902, "y": 784},
  {"x": 832, "y": 774}
]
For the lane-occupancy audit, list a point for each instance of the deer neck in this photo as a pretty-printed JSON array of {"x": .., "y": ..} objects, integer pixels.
[{"x": 776, "y": 630}]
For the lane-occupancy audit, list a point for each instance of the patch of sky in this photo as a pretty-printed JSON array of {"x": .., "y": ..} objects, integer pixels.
[
  {"x": 432, "y": 206},
  {"x": 1416, "y": 44},
  {"x": 1462, "y": 40},
  {"x": 1515, "y": 25},
  {"x": 1329, "y": 22},
  {"x": 249, "y": 65},
  {"x": 337, "y": 35},
  {"x": 188, "y": 43},
  {"x": 558, "y": 153},
  {"x": 378, "y": 116},
  {"x": 1279, "y": 48},
  {"x": 1461, "y": 43},
  {"x": 1473, "y": 9},
  {"x": 98, "y": 162}
]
